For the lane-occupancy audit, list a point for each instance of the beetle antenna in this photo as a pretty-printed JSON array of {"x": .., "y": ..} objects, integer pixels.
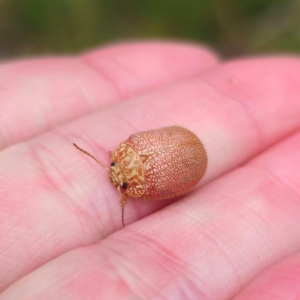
[
  {"x": 123, "y": 209},
  {"x": 90, "y": 155},
  {"x": 123, "y": 202}
]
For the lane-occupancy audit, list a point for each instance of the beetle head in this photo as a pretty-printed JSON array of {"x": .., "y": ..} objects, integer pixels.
[{"x": 116, "y": 175}]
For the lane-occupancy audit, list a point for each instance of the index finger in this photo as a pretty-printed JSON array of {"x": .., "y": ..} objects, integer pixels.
[{"x": 38, "y": 95}]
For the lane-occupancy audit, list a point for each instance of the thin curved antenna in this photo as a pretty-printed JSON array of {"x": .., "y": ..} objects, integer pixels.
[
  {"x": 123, "y": 202},
  {"x": 90, "y": 155}
]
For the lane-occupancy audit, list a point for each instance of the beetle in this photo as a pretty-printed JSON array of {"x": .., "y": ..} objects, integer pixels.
[{"x": 156, "y": 165}]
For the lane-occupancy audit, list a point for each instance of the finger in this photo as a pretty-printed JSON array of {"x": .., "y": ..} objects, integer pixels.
[
  {"x": 280, "y": 281},
  {"x": 63, "y": 196},
  {"x": 38, "y": 95},
  {"x": 139, "y": 66},
  {"x": 207, "y": 246}
]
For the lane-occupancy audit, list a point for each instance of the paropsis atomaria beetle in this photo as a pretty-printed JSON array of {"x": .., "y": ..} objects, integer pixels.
[{"x": 157, "y": 164}]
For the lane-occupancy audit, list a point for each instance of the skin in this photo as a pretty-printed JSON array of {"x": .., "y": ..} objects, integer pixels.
[{"x": 237, "y": 234}]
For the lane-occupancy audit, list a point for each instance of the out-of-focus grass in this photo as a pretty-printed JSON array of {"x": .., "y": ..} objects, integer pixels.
[{"x": 232, "y": 27}]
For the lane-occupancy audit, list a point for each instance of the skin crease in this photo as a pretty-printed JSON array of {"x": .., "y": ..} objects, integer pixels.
[
  {"x": 280, "y": 281},
  {"x": 60, "y": 230}
]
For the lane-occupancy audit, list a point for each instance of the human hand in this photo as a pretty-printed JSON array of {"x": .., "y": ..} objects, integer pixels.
[{"x": 61, "y": 235}]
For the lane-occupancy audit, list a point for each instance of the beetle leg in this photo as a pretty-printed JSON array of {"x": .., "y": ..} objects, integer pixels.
[{"x": 123, "y": 201}]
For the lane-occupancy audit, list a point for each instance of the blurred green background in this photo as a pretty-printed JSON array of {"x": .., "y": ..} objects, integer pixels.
[{"x": 232, "y": 27}]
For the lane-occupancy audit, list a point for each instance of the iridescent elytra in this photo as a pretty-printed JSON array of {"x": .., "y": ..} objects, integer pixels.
[{"x": 156, "y": 165}]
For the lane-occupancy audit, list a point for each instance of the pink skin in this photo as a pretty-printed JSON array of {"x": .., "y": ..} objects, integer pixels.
[
  {"x": 61, "y": 235},
  {"x": 279, "y": 282}
]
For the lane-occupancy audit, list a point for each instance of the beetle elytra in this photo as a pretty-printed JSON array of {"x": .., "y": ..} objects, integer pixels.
[{"x": 157, "y": 164}]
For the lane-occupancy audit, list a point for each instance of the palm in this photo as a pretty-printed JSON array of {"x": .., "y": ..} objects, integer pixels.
[{"x": 61, "y": 235}]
